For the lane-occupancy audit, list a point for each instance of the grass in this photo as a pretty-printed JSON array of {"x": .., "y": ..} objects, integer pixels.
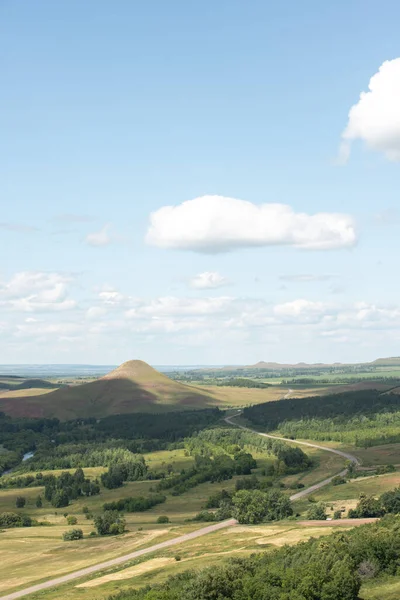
[
  {"x": 387, "y": 588},
  {"x": 195, "y": 554},
  {"x": 25, "y": 549}
]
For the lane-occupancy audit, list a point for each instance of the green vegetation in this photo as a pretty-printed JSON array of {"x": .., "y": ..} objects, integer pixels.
[
  {"x": 9, "y": 519},
  {"x": 364, "y": 418},
  {"x": 74, "y": 534},
  {"x": 139, "y": 504},
  {"x": 328, "y": 570},
  {"x": 109, "y": 523}
]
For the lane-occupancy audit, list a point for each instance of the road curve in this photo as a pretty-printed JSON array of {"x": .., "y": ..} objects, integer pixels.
[
  {"x": 316, "y": 486},
  {"x": 118, "y": 561}
]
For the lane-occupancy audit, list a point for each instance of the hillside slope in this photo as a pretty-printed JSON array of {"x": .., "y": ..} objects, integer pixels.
[{"x": 132, "y": 387}]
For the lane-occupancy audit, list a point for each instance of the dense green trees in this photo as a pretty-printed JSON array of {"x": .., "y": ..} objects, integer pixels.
[
  {"x": 212, "y": 442},
  {"x": 9, "y": 519},
  {"x": 252, "y": 507},
  {"x": 60, "y": 490},
  {"x": 109, "y": 523},
  {"x": 365, "y": 417},
  {"x": 135, "y": 504}
]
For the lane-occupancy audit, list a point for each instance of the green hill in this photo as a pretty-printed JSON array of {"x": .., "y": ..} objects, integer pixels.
[{"x": 132, "y": 387}]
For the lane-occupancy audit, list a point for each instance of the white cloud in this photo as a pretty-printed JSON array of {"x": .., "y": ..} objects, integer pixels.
[
  {"x": 208, "y": 280},
  {"x": 31, "y": 291},
  {"x": 213, "y": 224},
  {"x": 300, "y": 309},
  {"x": 100, "y": 238},
  {"x": 172, "y": 306},
  {"x": 112, "y": 297},
  {"x": 375, "y": 119}
]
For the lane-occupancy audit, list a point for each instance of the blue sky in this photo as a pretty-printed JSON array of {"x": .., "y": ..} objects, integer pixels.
[{"x": 110, "y": 112}]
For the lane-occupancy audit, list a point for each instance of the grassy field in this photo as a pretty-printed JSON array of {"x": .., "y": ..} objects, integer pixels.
[
  {"x": 23, "y": 550},
  {"x": 387, "y": 588},
  {"x": 211, "y": 549}
]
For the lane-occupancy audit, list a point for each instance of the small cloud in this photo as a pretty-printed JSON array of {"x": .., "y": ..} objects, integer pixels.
[
  {"x": 304, "y": 278},
  {"x": 100, "y": 238},
  {"x": 208, "y": 280},
  {"x": 212, "y": 224},
  {"x": 73, "y": 218},
  {"x": 19, "y": 228}
]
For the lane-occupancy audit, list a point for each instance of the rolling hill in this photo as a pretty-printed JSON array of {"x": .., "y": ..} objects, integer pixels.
[{"x": 132, "y": 387}]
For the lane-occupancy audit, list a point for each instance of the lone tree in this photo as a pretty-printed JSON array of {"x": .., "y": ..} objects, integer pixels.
[
  {"x": 20, "y": 502},
  {"x": 39, "y": 502}
]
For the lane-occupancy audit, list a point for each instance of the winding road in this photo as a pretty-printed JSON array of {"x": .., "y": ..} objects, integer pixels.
[
  {"x": 188, "y": 536},
  {"x": 316, "y": 486}
]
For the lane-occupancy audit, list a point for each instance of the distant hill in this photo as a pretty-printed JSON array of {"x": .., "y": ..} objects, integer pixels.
[
  {"x": 301, "y": 366},
  {"x": 132, "y": 387}
]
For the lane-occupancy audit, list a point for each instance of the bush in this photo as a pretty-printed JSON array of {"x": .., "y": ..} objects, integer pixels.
[
  {"x": 39, "y": 502},
  {"x": 9, "y": 520},
  {"x": 73, "y": 534},
  {"x": 104, "y": 523},
  {"x": 338, "y": 480},
  {"x": 317, "y": 512},
  {"x": 20, "y": 502},
  {"x": 71, "y": 520},
  {"x": 163, "y": 519},
  {"x": 178, "y": 558},
  {"x": 337, "y": 514},
  {"x": 205, "y": 516}
]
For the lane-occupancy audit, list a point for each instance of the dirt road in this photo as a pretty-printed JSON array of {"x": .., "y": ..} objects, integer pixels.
[
  {"x": 316, "y": 486},
  {"x": 118, "y": 561}
]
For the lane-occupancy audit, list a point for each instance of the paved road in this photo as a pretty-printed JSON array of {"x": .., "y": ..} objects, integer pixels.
[
  {"x": 118, "y": 561},
  {"x": 316, "y": 486}
]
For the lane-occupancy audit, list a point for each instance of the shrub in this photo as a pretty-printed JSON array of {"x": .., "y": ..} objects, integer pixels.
[
  {"x": 163, "y": 519},
  {"x": 338, "y": 480},
  {"x": 104, "y": 522},
  {"x": 205, "y": 516},
  {"x": 39, "y": 502},
  {"x": 337, "y": 514},
  {"x": 71, "y": 520},
  {"x": 9, "y": 520},
  {"x": 73, "y": 534},
  {"x": 20, "y": 502},
  {"x": 317, "y": 512},
  {"x": 178, "y": 558}
]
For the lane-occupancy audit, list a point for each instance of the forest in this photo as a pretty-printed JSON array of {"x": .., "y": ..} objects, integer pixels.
[{"x": 364, "y": 418}]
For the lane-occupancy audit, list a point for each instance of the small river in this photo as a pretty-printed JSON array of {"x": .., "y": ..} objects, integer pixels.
[{"x": 25, "y": 457}]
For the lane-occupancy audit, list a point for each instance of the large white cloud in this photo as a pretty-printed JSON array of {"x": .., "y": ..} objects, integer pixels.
[
  {"x": 208, "y": 280},
  {"x": 375, "y": 119},
  {"x": 213, "y": 224}
]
